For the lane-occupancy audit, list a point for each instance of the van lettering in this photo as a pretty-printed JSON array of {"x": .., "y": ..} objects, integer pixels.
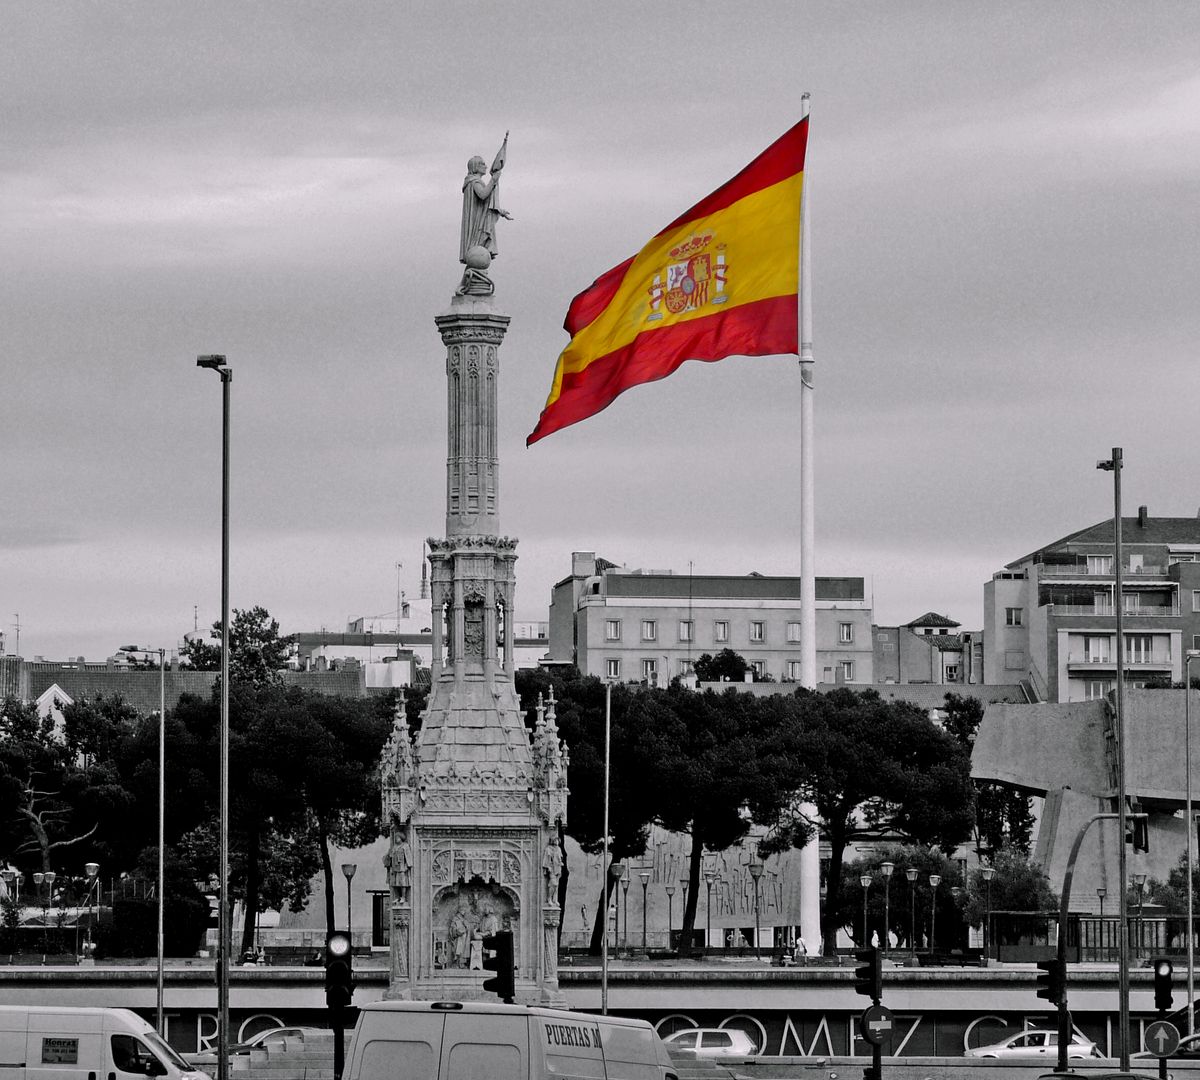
[{"x": 569, "y": 1035}]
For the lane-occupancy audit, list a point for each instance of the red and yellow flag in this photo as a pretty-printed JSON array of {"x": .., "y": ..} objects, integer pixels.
[{"x": 720, "y": 280}]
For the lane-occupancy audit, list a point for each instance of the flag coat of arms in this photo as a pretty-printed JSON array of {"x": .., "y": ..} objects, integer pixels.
[{"x": 720, "y": 280}]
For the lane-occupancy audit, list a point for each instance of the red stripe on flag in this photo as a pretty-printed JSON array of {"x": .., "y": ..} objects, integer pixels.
[
  {"x": 762, "y": 328},
  {"x": 783, "y": 158}
]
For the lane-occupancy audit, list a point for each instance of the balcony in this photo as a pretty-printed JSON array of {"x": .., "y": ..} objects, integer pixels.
[
  {"x": 1069, "y": 571},
  {"x": 1138, "y": 662},
  {"x": 1157, "y": 610}
]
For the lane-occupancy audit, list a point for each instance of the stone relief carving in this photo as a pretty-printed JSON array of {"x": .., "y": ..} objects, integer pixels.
[{"x": 463, "y": 917}]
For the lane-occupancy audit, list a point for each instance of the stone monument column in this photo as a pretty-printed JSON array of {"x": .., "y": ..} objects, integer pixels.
[{"x": 473, "y": 806}]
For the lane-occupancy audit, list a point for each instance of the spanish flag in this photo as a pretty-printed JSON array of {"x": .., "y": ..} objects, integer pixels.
[{"x": 720, "y": 280}]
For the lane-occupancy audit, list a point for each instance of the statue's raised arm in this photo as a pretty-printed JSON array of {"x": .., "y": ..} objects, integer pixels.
[{"x": 477, "y": 241}]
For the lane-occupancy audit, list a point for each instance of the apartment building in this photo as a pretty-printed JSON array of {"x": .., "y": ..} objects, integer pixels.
[
  {"x": 651, "y": 625},
  {"x": 931, "y": 649},
  {"x": 1050, "y": 615}
]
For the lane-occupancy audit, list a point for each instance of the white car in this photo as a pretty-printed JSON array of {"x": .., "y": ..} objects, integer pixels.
[
  {"x": 1038, "y": 1045},
  {"x": 713, "y": 1042},
  {"x": 273, "y": 1037}
]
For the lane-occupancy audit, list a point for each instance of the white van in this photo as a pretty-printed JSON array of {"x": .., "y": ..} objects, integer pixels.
[
  {"x": 60, "y": 1043},
  {"x": 451, "y": 1040}
]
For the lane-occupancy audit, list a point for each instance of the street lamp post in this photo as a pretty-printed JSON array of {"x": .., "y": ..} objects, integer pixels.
[
  {"x": 911, "y": 873},
  {"x": 1192, "y": 654},
  {"x": 709, "y": 878},
  {"x": 159, "y": 1024},
  {"x": 625, "y": 878},
  {"x": 348, "y": 868},
  {"x": 987, "y": 872},
  {"x": 615, "y": 871},
  {"x": 606, "y": 868},
  {"x": 645, "y": 876},
  {"x": 865, "y": 881},
  {"x": 93, "y": 871},
  {"x": 1139, "y": 883},
  {"x": 756, "y": 870},
  {"x": 1101, "y": 893},
  {"x": 670, "y": 891},
  {"x": 38, "y": 878},
  {"x": 217, "y": 364},
  {"x": 886, "y": 868},
  {"x": 934, "y": 881}
]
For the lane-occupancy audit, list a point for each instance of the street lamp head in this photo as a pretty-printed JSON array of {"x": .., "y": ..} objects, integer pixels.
[
  {"x": 49, "y": 877},
  {"x": 987, "y": 872},
  {"x": 669, "y": 890},
  {"x": 349, "y": 868},
  {"x": 212, "y": 361},
  {"x": 935, "y": 880},
  {"x": 1101, "y": 891},
  {"x": 865, "y": 880},
  {"x": 886, "y": 868},
  {"x": 710, "y": 877},
  {"x": 1139, "y": 880},
  {"x": 756, "y": 869},
  {"x": 912, "y": 873},
  {"x": 645, "y": 876},
  {"x": 91, "y": 869},
  {"x": 38, "y": 877},
  {"x": 615, "y": 870}
]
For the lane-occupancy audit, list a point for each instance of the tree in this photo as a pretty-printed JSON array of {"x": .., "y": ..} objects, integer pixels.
[
  {"x": 1017, "y": 885},
  {"x": 703, "y": 757},
  {"x": 726, "y": 666},
  {"x": 1003, "y": 815},
  {"x": 257, "y": 653},
  {"x": 872, "y": 769}
]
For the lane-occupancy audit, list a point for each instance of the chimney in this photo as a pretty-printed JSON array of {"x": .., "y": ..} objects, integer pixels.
[{"x": 1142, "y": 514}]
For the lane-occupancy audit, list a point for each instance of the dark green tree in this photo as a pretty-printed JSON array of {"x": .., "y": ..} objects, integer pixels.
[
  {"x": 726, "y": 666},
  {"x": 872, "y": 770},
  {"x": 257, "y": 652},
  {"x": 908, "y": 907},
  {"x": 1017, "y": 885},
  {"x": 1003, "y": 815}
]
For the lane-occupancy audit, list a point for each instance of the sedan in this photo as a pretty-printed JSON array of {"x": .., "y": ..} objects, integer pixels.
[
  {"x": 273, "y": 1037},
  {"x": 713, "y": 1042},
  {"x": 1036, "y": 1044}
]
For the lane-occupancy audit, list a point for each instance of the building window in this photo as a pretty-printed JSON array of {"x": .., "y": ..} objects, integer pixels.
[
  {"x": 1139, "y": 648},
  {"x": 847, "y": 670},
  {"x": 612, "y": 669},
  {"x": 649, "y": 630},
  {"x": 758, "y": 631},
  {"x": 1196, "y": 599},
  {"x": 951, "y": 673},
  {"x": 1132, "y": 601},
  {"x": 1099, "y": 564},
  {"x": 827, "y": 675},
  {"x": 685, "y": 630},
  {"x": 720, "y": 630},
  {"x": 793, "y": 670},
  {"x": 381, "y": 917},
  {"x": 1096, "y": 649},
  {"x": 793, "y": 632},
  {"x": 686, "y": 668},
  {"x": 650, "y": 670},
  {"x": 1097, "y": 688},
  {"x": 846, "y": 632},
  {"x": 1196, "y": 642},
  {"x": 759, "y": 667},
  {"x": 1102, "y": 603},
  {"x": 612, "y": 629},
  {"x": 1013, "y": 616}
]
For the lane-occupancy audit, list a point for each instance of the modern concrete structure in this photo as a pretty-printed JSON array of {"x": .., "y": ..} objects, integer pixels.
[
  {"x": 1049, "y": 615},
  {"x": 473, "y": 807},
  {"x": 651, "y": 625}
]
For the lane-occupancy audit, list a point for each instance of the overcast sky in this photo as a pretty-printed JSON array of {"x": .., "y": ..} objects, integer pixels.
[{"x": 1006, "y": 227}]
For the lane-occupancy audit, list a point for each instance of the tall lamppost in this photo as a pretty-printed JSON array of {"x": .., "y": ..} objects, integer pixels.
[
  {"x": 911, "y": 873},
  {"x": 645, "y": 876},
  {"x": 709, "y": 878},
  {"x": 159, "y": 1025},
  {"x": 670, "y": 891},
  {"x": 1139, "y": 883},
  {"x": 38, "y": 878},
  {"x": 92, "y": 870},
  {"x": 756, "y": 870},
  {"x": 886, "y": 868},
  {"x": 49, "y": 877},
  {"x": 348, "y": 868},
  {"x": 606, "y": 868},
  {"x": 1191, "y": 655},
  {"x": 615, "y": 870},
  {"x": 625, "y": 878},
  {"x": 217, "y": 364},
  {"x": 865, "y": 881},
  {"x": 987, "y": 873},
  {"x": 934, "y": 881}
]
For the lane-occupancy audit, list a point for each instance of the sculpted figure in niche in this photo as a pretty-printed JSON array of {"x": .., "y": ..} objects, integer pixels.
[
  {"x": 552, "y": 869},
  {"x": 399, "y": 864},
  {"x": 458, "y": 935}
]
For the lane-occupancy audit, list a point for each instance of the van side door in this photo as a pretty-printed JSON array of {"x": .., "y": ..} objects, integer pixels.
[
  {"x": 395, "y": 1046},
  {"x": 485, "y": 1046}
]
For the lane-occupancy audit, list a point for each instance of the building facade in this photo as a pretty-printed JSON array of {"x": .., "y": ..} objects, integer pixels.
[
  {"x": 1050, "y": 616},
  {"x": 651, "y": 625},
  {"x": 930, "y": 649}
]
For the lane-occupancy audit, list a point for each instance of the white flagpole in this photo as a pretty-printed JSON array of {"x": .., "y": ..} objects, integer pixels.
[{"x": 810, "y": 854}]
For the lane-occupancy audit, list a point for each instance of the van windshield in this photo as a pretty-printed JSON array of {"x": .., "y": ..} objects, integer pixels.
[{"x": 166, "y": 1051}]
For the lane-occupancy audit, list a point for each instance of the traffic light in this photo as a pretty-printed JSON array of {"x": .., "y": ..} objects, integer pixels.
[
  {"x": 1051, "y": 981},
  {"x": 498, "y": 957},
  {"x": 1163, "y": 970},
  {"x": 868, "y": 978},
  {"x": 339, "y": 977},
  {"x": 1137, "y": 830}
]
